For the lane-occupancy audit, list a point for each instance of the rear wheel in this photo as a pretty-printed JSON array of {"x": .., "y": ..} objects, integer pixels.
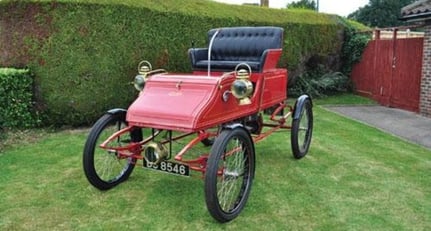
[
  {"x": 229, "y": 174},
  {"x": 104, "y": 168},
  {"x": 302, "y": 129}
]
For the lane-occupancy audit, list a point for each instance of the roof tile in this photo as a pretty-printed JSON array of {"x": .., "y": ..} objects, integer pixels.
[{"x": 417, "y": 8}]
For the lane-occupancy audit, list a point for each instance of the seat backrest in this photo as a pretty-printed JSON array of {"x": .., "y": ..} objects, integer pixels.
[{"x": 244, "y": 43}]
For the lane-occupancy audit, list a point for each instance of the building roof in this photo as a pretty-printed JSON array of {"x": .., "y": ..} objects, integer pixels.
[{"x": 419, "y": 10}]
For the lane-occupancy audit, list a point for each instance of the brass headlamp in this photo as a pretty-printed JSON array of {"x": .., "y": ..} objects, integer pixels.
[
  {"x": 155, "y": 152},
  {"x": 144, "y": 68},
  {"x": 242, "y": 87}
]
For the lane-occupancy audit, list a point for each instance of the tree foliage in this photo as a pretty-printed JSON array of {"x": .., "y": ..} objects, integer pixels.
[
  {"x": 303, "y": 4},
  {"x": 380, "y": 13}
]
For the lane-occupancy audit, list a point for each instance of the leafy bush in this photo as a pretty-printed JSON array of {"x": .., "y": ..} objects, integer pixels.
[
  {"x": 16, "y": 101},
  {"x": 354, "y": 45},
  {"x": 83, "y": 53},
  {"x": 319, "y": 82}
]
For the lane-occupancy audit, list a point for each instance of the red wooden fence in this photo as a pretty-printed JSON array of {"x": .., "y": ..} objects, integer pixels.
[{"x": 390, "y": 72}]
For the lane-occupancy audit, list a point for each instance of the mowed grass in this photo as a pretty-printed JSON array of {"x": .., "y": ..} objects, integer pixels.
[{"x": 355, "y": 177}]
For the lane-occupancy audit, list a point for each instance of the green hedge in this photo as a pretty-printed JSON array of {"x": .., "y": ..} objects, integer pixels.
[
  {"x": 16, "y": 99},
  {"x": 85, "y": 53}
]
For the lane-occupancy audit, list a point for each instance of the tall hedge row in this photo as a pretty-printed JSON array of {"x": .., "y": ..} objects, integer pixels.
[{"x": 84, "y": 54}]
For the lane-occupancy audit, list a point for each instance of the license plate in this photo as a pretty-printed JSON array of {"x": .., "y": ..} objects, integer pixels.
[{"x": 169, "y": 167}]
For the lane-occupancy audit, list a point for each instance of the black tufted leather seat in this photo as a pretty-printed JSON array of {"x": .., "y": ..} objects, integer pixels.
[{"x": 234, "y": 45}]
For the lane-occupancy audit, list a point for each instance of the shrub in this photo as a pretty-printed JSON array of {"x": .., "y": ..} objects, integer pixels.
[
  {"x": 354, "y": 45},
  {"x": 318, "y": 80},
  {"x": 16, "y": 99},
  {"x": 321, "y": 82}
]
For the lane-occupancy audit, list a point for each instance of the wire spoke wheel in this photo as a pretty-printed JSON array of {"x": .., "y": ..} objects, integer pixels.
[
  {"x": 302, "y": 129},
  {"x": 105, "y": 168},
  {"x": 229, "y": 174}
]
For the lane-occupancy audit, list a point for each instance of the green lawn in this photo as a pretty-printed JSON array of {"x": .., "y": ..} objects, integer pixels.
[{"x": 354, "y": 178}]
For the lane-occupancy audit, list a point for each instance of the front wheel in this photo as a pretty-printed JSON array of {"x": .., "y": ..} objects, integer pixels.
[
  {"x": 229, "y": 174},
  {"x": 302, "y": 129},
  {"x": 104, "y": 168}
]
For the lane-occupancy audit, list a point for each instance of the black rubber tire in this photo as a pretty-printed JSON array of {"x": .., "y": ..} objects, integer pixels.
[
  {"x": 225, "y": 206},
  {"x": 102, "y": 168},
  {"x": 302, "y": 130}
]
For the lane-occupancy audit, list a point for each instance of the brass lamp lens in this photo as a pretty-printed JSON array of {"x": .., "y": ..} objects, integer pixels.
[
  {"x": 139, "y": 82},
  {"x": 241, "y": 88}
]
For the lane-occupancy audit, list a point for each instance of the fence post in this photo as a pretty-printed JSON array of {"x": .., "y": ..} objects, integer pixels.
[{"x": 377, "y": 34}]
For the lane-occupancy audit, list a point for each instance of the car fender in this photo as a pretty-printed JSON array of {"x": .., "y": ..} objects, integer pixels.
[
  {"x": 233, "y": 126},
  {"x": 299, "y": 104},
  {"x": 136, "y": 134},
  {"x": 115, "y": 111}
]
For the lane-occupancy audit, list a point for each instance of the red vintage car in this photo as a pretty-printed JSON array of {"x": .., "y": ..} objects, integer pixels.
[{"x": 220, "y": 106}]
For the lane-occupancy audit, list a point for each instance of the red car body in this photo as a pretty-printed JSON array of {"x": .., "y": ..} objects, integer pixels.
[{"x": 193, "y": 102}]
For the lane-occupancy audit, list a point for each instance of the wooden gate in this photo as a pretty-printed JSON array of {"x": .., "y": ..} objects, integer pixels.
[{"x": 390, "y": 72}]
